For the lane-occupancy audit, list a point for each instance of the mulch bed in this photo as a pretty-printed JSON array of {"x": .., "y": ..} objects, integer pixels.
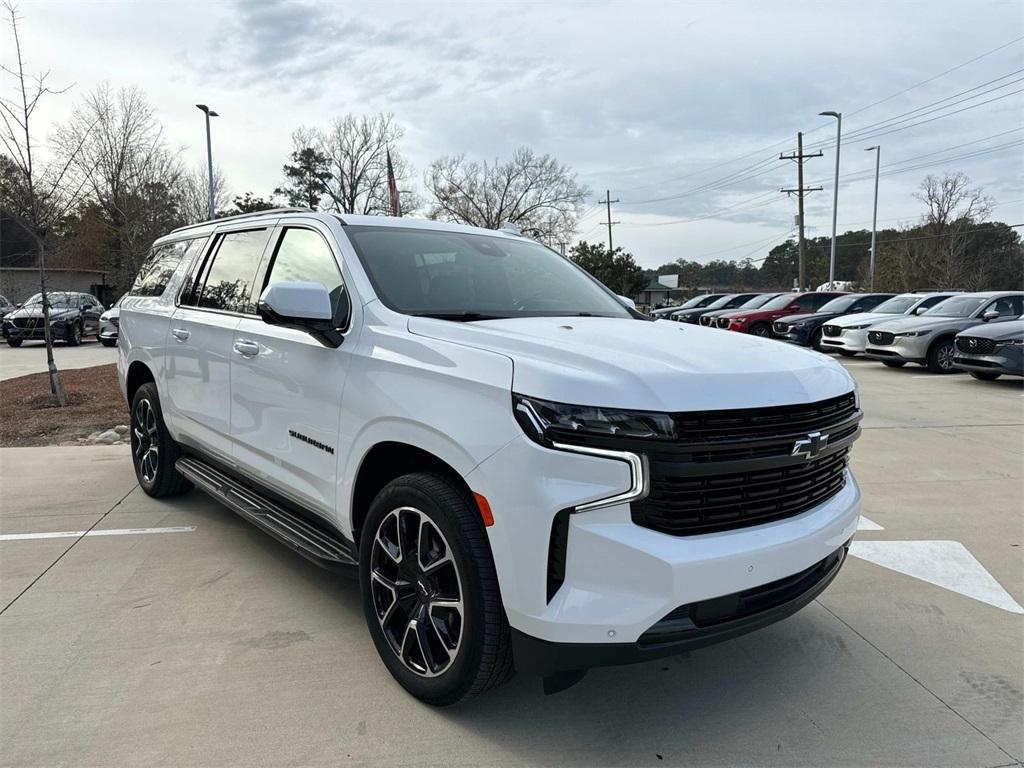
[{"x": 29, "y": 414}]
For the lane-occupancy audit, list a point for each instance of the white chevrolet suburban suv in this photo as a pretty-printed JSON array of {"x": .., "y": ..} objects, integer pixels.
[{"x": 523, "y": 471}]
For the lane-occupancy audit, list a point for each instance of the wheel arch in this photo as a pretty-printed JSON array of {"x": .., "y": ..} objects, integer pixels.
[{"x": 138, "y": 374}]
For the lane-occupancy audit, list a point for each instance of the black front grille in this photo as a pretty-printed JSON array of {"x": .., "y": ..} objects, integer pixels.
[
  {"x": 705, "y": 320},
  {"x": 881, "y": 337},
  {"x": 780, "y": 327},
  {"x": 722, "y": 322},
  {"x": 973, "y": 345},
  {"x": 26, "y": 322},
  {"x": 832, "y": 330}
]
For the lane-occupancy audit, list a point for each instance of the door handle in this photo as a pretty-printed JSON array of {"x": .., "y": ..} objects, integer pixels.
[
  {"x": 246, "y": 348},
  {"x": 181, "y": 334}
]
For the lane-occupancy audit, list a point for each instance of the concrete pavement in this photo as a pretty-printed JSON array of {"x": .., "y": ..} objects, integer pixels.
[
  {"x": 30, "y": 357},
  {"x": 220, "y": 647}
]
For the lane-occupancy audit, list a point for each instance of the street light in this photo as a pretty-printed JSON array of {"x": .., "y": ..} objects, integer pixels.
[
  {"x": 209, "y": 153},
  {"x": 874, "y": 217},
  {"x": 835, "y": 197}
]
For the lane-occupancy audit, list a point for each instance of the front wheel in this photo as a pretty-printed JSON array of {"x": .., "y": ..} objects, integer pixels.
[
  {"x": 983, "y": 376},
  {"x": 108, "y": 342},
  {"x": 846, "y": 353},
  {"x": 154, "y": 451},
  {"x": 14, "y": 342},
  {"x": 74, "y": 335},
  {"x": 940, "y": 357},
  {"x": 894, "y": 363},
  {"x": 430, "y": 591},
  {"x": 760, "y": 329}
]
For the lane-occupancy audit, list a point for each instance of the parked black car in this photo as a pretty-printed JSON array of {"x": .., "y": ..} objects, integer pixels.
[
  {"x": 756, "y": 301},
  {"x": 695, "y": 303},
  {"x": 73, "y": 316},
  {"x": 805, "y": 329},
  {"x": 729, "y": 301},
  {"x": 990, "y": 351}
]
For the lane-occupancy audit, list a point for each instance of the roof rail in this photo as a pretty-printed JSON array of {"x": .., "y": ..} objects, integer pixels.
[{"x": 252, "y": 214}]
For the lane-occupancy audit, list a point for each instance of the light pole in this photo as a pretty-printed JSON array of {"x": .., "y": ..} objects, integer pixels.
[
  {"x": 209, "y": 153},
  {"x": 835, "y": 197},
  {"x": 874, "y": 216}
]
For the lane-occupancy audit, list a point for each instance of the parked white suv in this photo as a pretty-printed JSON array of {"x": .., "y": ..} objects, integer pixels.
[{"x": 526, "y": 473}]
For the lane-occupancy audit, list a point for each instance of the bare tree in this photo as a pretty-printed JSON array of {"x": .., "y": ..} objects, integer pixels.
[
  {"x": 40, "y": 195},
  {"x": 535, "y": 192},
  {"x": 125, "y": 164},
  {"x": 193, "y": 194},
  {"x": 953, "y": 209},
  {"x": 356, "y": 148}
]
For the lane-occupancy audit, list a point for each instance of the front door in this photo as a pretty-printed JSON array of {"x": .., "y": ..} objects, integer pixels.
[{"x": 286, "y": 387}]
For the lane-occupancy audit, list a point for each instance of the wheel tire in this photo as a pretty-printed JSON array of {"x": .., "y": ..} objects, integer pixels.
[
  {"x": 816, "y": 341},
  {"x": 761, "y": 329},
  {"x": 74, "y": 338},
  {"x": 940, "y": 357},
  {"x": 482, "y": 652},
  {"x": 156, "y": 472},
  {"x": 894, "y": 363},
  {"x": 846, "y": 353},
  {"x": 14, "y": 342},
  {"x": 108, "y": 342},
  {"x": 982, "y": 376}
]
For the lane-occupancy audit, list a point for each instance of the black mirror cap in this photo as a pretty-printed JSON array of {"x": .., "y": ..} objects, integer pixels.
[{"x": 324, "y": 331}]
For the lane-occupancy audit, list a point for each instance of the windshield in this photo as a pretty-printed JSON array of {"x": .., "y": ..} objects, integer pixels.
[
  {"x": 694, "y": 302},
  {"x": 722, "y": 302},
  {"x": 841, "y": 304},
  {"x": 56, "y": 299},
  {"x": 758, "y": 301},
  {"x": 957, "y": 306},
  {"x": 462, "y": 276},
  {"x": 781, "y": 302},
  {"x": 897, "y": 305}
]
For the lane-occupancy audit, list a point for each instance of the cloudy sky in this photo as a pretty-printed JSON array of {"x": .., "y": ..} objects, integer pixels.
[{"x": 680, "y": 109}]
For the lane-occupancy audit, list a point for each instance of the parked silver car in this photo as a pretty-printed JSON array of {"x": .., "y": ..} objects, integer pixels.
[
  {"x": 927, "y": 339},
  {"x": 849, "y": 335},
  {"x": 109, "y": 322}
]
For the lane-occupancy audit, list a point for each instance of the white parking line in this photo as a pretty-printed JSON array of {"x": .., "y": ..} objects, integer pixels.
[{"x": 111, "y": 532}]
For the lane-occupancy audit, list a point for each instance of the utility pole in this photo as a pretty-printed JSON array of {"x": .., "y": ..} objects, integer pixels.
[
  {"x": 800, "y": 192},
  {"x": 835, "y": 196},
  {"x": 874, "y": 217},
  {"x": 608, "y": 204}
]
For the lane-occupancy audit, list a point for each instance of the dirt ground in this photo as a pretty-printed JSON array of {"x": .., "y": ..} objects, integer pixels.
[{"x": 29, "y": 414}]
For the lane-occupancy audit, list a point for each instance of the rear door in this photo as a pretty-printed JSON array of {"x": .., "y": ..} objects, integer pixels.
[
  {"x": 286, "y": 386},
  {"x": 91, "y": 311},
  {"x": 197, "y": 372}
]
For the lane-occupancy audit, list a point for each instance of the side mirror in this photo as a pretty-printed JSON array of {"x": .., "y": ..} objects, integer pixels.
[
  {"x": 627, "y": 301},
  {"x": 304, "y": 307},
  {"x": 992, "y": 314},
  {"x": 19, "y": 305},
  {"x": 921, "y": 310},
  {"x": 794, "y": 307}
]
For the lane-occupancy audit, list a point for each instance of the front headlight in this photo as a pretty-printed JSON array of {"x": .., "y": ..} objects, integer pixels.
[
  {"x": 860, "y": 327},
  {"x": 911, "y": 333},
  {"x": 547, "y": 422},
  {"x": 1012, "y": 342}
]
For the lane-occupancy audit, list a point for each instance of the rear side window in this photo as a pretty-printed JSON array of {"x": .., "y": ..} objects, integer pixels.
[
  {"x": 158, "y": 268},
  {"x": 303, "y": 256},
  {"x": 230, "y": 271}
]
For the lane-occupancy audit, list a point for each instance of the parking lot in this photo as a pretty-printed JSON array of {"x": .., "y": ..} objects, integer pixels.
[
  {"x": 198, "y": 640},
  {"x": 31, "y": 357}
]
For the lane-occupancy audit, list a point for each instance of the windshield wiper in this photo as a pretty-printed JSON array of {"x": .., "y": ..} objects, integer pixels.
[{"x": 459, "y": 317}]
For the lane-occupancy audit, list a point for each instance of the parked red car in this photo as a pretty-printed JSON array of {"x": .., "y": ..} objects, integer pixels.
[{"x": 759, "y": 321}]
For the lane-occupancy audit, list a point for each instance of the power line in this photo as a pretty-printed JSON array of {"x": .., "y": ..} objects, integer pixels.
[{"x": 801, "y": 192}]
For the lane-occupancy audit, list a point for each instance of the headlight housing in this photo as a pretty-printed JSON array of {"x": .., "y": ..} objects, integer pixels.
[
  {"x": 1012, "y": 342},
  {"x": 860, "y": 327},
  {"x": 909, "y": 334},
  {"x": 548, "y": 422}
]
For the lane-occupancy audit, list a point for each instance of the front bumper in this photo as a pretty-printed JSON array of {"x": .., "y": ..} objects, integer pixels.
[
  {"x": 911, "y": 349},
  {"x": 1005, "y": 360},
  {"x": 108, "y": 330},
  {"x": 795, "y": 335},
  {"x": 58, "y": 331},
  {"x": 621, "y": 579},
  {"x": 850, "y": 340},
  {"x": 687, "y": 627}
]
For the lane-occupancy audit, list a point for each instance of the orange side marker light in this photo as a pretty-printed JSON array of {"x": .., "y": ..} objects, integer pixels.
[{"x": 485, "y": 509}]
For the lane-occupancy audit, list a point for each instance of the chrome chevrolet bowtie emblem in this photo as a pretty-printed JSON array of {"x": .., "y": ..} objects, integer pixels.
[{"x": 810, "y": 446}]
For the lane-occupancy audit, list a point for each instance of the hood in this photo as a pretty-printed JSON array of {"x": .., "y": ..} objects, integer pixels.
[
  {"x": 1008, "y": 329},
  {"x": 111, "y": 313},
  {"x": 790, "y": 319},
  {"x": 646, "y": 365},
  {"x": 859, "y": 318},
  {"x": 36, "y": 311},
  {"x": 924, "y": 323}
]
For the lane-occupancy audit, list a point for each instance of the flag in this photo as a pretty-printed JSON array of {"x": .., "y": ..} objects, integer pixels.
[{"x": 396, "y": 205}]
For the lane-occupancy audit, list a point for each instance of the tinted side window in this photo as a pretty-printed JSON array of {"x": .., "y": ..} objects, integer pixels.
[
  {"x": 808, "y": 302},
  {"x": 158, "y": 268},
  {"x": 228, "y": 283},
  {"x": 868, "y": 302},
  {"x": 1008, "y": 306},
  {"x": 933, "y": 300},
  {"x": 303, "y": 256}
]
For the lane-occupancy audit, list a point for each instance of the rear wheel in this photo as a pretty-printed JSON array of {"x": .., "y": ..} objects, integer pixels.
[
  {"x": 154, "y": 451},
  {"x": 940, "y": 357},
  {"x": 430, "y": 591},
  {"x": 894, "y": 363},
  {"x": 760, "y": 329},
  {"x": 983, "y": 376}
]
